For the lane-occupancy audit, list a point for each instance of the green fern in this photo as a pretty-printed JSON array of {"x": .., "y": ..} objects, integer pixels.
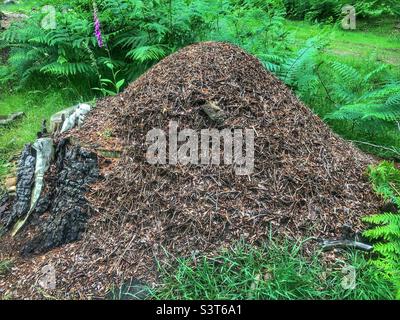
[
  {"x": 350, "y": 84},
  {"x": 147, "y": 53},
  {"x": 385, "y": 179},
  {"x": 359, "y": 98},
  {"x": 386, "y": 231},
  {"x": 67, "y": 68},
  {"x": 299, "y": 71},
  {"x": 381, "y": 104},
  {"x": 136, "y": 35},
  {"x": 58, "y": 52}
]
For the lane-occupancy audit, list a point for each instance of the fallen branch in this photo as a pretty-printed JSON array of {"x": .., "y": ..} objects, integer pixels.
[
  {"x": 345, "y": 244},
  {"x": 8, "y": 119},
  {"x": 377, "y": 146}
]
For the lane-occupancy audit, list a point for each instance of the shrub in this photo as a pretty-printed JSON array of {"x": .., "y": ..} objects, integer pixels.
[
  {"x": 361, "y": 98},
  {"x": 136, "y": 35},
  {"x": 320, "y": 10},
  {"x": 330, "y": 10}
]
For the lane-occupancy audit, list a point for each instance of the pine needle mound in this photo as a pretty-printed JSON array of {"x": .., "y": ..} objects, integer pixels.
[{"x": 307, "y": 181}]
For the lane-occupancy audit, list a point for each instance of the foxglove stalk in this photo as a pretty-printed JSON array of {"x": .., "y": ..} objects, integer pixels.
[{"x": 97, "y": 28}]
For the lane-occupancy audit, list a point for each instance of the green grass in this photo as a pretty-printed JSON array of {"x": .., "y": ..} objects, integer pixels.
[
  {"x": 26, "y": 6},
  {"x": 5, "y": 266},
  {"x": 379, "y": 39},
  {"x": 275, "y": 271},
  {"x": 37, "y": 105}
]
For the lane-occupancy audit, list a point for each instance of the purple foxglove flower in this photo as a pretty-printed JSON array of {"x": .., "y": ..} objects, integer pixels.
[{"x": 97, "y": 29}]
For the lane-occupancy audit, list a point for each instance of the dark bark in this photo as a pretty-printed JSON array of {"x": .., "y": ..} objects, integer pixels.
[
  {"x": 25, "y": 181},
  {"x": 75, "y": 169}
]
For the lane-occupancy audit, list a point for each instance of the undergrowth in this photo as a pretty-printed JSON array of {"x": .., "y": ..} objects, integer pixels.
[
  {"x": 277, "y": 270},
  {"x": 386, "y": 226},
  {"x": 37, "y": 106}
]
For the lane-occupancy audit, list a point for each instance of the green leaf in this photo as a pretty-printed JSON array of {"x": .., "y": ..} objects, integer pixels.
[{"x": 119, "y": 84}]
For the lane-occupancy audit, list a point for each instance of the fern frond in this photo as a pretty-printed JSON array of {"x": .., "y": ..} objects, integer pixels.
[
  {"x": 386, "y": 180},
  {"x": 374, "y": 72},
  {"x": 147, "y": 53},
  {"x": 347, "y": 73},
  {"x": 388, "y": 249},
  {"x": 381, "y": 104},
  {"x": 67, "y": 69}
]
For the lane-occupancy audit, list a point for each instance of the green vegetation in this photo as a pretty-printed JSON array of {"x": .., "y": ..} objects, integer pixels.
[
  {"x": 376, "y": 39},
  {"x": 386, "y": 231},
  {"x": 5, "y": 266},
  {"x": 330, "y": 10},
  {"x": 277, "y": 270},
  {"x": 37, "y": 105},
  {"x": 25, "y": 6}
]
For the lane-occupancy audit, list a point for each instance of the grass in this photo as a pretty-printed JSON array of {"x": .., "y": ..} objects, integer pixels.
[
  {"x": 379, "y": 39},
  {"x": 277, "y": 270},
  {"x": 26, "y": 6},
  {"x": 5, "y": 266},
  {"x": 37, "y": 105}
]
